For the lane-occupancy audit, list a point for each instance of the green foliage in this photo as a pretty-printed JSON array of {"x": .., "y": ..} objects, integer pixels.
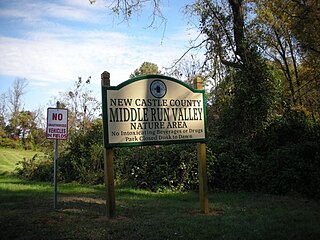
[
  {"x": 38, "y": 168},
  {"x": 9, "y": 142},
  {"x": 290, "y": 151},
  {"x": 155, "y": 168},
  {"x": 145, "y": 69},
  {"x": 24, "y": 134},
  {"x": 245, "y": 111},
  {"x": 235, "y": 168},
  {"x": 292, "y": 127},
  {"x": 82, "y": 159},
  {"x": 158, "y": 167},
  {"x": 280, "y": 159},
  {"x": 292, "y": 168}
]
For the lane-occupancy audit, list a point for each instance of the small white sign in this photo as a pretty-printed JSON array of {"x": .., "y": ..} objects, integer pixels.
[{"x": 57, "y": 123}]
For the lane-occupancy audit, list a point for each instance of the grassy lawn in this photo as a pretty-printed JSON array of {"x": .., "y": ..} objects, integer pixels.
[
  {"x": 26, "y": 212},
  {"x": 9, "y": 158}
]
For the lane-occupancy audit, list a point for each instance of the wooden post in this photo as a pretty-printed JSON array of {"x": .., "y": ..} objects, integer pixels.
[
  {"x": 108, "y": 165},
  {"x": 202, "y": 165}
]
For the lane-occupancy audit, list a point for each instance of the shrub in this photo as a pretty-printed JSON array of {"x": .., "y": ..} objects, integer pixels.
[
  {"x": 82, "y": 159},
  {"x": 157, "y": 167},
  {"x": 9, "y": 142},
  {"x": 292, "y": 168},
  {"x": 290, "y": 151},
  {"x": 153, "y": 167},
  {"x": 283, "y": 158},
  {"x": 38, "y": 168},
  {"x": 235, "y": 167}
]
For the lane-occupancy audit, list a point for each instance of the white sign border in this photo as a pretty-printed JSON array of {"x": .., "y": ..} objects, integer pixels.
[{"x": 64, "y": 123}]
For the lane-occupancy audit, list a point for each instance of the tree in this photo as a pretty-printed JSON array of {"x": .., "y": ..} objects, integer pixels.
[
  {"x": 82, "y": 106},
  {"x": 229, "y": 44},
  {"x": 3, "y": 111},
  {"x": 145, "y": 69},
  {"x": 291, "y": 39},
  {"x": 15, "y": 101},
  {"x": 223, "y": 25},
  {"x": 270, "y": 27},
  {"x": 305, "y": 24},
  {"x": 127, "y": 8},
  {"x": 16, "y": 93},
  {"x": 187, "y": 69},
  {"x": 26, "y": 126}
]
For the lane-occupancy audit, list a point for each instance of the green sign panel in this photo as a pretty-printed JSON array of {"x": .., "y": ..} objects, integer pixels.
[{"x": 152, "y": 109}]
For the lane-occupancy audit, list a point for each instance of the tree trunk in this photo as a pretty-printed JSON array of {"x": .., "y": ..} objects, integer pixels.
[{"x": 238, "y": 27}]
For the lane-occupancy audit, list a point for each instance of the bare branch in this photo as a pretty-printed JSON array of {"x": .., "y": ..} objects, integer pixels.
[
  {"x": 186, "y": 52},
  {"x": 15, "y": 94}
]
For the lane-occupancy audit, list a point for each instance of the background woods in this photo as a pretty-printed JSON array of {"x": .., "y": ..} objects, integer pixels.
[{"x": 261, "y": 73}]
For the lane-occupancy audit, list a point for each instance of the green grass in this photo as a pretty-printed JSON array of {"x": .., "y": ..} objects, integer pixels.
[
  {"x": 10, "y": 157},
  {"x": 26, "y": 212}
]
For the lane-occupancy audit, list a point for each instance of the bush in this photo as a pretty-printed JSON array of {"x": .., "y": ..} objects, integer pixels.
[
  {"x": 283, "y": 158},
  {"x": 38, "y": 168},
  {"x": 152, "y": 167},
  {"x": 292, "y": 168},
  {"x": 9, "y": 142},
  {"x": 235, "y": 167},
  {"x": 82, "y": 159},
  {"x": 290, "y": 128},
  {"x": 157, "y": 167},
  {"x": 290, "y": 151}
]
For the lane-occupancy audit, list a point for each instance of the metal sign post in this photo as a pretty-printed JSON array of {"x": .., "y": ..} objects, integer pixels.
[
  {"x": 55, "y": 166},
  {"x": 57, "y": 128}
]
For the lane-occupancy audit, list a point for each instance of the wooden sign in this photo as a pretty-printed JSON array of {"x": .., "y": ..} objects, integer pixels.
[{"x": 153, "y": 109}]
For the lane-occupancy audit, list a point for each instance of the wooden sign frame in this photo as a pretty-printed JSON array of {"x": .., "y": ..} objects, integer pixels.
[
  {"x": 153, "y": 110},
  {"x": 158, "y": 93}
]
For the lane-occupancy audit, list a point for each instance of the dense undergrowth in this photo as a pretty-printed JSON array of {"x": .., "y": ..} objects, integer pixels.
[{"x": 283, "y": 158}]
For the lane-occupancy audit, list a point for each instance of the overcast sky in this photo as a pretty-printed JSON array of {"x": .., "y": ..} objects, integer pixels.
[{"x": 52, "y": 43}]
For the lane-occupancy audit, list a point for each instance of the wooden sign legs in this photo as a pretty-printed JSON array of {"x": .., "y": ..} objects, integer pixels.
[
  {"x": 202, "y": 164},
  {"x": 109, "y": 183},
  {"x": 203, "y": 179},
  {"x": 108, "y": 166}
]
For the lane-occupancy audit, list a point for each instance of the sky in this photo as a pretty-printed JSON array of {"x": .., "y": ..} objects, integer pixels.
[{"x": 53, "y": 42}]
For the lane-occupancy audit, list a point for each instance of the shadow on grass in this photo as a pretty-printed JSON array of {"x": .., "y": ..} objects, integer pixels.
[{"x": 26, "y": 212}]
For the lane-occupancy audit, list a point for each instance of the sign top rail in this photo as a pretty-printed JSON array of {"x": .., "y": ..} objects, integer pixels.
[{"x": 151, "y": 76}]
